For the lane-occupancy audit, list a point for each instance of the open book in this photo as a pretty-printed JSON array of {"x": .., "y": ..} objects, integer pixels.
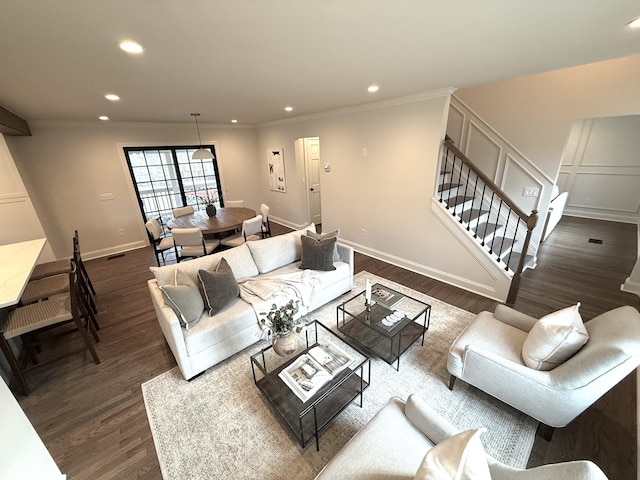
[{"x": 310, "y": 371}]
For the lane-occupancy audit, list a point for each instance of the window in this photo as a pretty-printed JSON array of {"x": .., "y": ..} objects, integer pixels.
[{"x": 167, "y": 177}]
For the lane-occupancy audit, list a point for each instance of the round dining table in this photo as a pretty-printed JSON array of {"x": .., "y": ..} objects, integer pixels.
[{"x": 225, "y": 219}]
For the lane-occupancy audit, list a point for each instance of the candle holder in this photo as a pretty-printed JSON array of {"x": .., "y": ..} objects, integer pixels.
[{"x": 367, "y": 305}]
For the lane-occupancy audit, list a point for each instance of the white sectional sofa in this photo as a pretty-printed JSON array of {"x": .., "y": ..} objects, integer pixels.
[{"x": 235, "y": 327}]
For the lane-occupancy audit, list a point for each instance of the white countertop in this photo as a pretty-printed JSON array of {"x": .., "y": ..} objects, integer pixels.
[{"x": 16, "y": 264}]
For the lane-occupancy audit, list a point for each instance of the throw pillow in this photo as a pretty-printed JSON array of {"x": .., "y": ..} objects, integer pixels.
[
  {"x": 218, "y": 288},
  {"x": 317, "y": 254},
  {"x": 554, "y": 339},
  {"x": 322, "y": 236},
  {"x": 460, "y": 457},
  {"x": 184, "y": 299}
]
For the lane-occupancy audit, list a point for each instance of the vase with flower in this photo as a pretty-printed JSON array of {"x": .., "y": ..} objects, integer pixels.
[
  {"x": 209, "y": 199},
  {"x": 283, "y": 324}
]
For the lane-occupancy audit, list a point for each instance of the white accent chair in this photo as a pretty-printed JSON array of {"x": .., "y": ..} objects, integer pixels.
[
  {"x": 182, "y": 211},
  {"x": 251, "y": 231},
  {"x": 234, "y": 203},
  {"x": 487, "y": 355},
  {"x": 157, "y": 239},
  {"x": 394, "y": 442},
  {"x": 192, "y": 243},
  {"x": 266, "y": 226}
]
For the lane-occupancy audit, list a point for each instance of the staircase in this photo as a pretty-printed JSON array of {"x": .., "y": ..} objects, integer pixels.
[{"x": 479, "y": 206}]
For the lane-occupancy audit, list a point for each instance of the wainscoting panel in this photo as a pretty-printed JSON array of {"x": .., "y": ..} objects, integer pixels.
[
  {"x": 609, "y": 191},
  {"x": 515, "y": 176},
  {"x": 455, "y": 125},
  {"x": 483, "y": 151}
]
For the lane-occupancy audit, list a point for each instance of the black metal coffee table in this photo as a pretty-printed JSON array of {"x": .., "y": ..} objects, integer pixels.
[
  {"x": 387, "y": 339},
  {"x": 308, "y": 419}
]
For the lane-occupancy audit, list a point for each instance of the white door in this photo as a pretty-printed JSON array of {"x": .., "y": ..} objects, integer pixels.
[{"x": 312, "y": 162}]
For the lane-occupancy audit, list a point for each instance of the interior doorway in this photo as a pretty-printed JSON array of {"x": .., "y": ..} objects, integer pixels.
[{"x": 311, "y": 153}]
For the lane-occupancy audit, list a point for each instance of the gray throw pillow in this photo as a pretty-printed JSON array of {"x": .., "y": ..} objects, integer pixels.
[
  {"x": 317, "y": 254},
  {"x": 185, "y": 300},
  {"x": 218, "y": 288},
  {"x": 322, "y": 236}
]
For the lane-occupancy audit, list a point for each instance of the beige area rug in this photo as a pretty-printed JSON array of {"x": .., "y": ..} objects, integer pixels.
[{"x": 219, "y": 426}]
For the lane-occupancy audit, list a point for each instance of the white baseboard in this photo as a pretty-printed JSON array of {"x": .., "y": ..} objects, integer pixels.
[
  {"x": 465, "y": 284},
  {"x": 113, "y": 250}
]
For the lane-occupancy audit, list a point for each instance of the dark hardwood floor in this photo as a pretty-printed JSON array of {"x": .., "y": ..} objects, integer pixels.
[{"x": 92, "y": 417}]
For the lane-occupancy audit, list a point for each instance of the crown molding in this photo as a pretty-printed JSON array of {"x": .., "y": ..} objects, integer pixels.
[{"x": 391, "y": 102}]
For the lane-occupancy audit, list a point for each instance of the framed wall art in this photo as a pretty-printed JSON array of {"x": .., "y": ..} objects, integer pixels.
[{"x": 275, "y": 163}]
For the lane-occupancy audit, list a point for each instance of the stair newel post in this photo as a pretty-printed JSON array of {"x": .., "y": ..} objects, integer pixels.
[{"x": 532, "y": 220}]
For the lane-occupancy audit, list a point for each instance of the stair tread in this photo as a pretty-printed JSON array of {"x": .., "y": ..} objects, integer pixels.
[
  {"x": 502, "y": 243},
  {"x": 515, "y": 258},
  {"x": 448, "y": 186},
  {"x": 484, "y": 229},
  {"x": 472, "y": 214},
  {"x": 458, "y": 200}
]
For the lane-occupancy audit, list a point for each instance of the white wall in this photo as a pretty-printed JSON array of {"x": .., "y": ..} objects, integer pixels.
[
  {"x": 388, "y": 193},
  {"x": 17, "y": 214},
  {"x": 66, "y": 165},
  {"x": 601, "y": 169},
  {"x": 535, "y": 113}
]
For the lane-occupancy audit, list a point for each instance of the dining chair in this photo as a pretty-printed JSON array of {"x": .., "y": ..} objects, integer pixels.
[
  {"x": 192, "y": 243},
  {"x": 251, "y": 230},
  {"x": 48, "y": 269},
  {"x": 157, "y": 239},
  {"x": 182, "y": 211},
  {"x": 266, "y": 226},
  {"x": 54, "y": 312},
  {"x": 86, "y": 283},
  {"x": 234, "y": 203}
]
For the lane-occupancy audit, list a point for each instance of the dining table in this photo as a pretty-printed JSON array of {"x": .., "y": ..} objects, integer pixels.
[
  {"x": 17, "y": 261},
  {"x": 225, "y": 219}
]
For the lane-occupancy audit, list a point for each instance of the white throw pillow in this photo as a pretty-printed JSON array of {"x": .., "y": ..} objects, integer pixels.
[
  {"x": 275, "y": 252},
  {"x": 460, "y": 457},
  {"x": 554, "y": 338}
]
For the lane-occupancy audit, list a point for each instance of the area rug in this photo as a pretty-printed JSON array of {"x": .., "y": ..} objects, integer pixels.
[{"x": 219, "y": 426}]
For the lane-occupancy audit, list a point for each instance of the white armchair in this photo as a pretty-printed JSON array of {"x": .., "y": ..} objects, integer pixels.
[
  {"x": 393, "y": 443},
  {"x": 487, "y": 355}
]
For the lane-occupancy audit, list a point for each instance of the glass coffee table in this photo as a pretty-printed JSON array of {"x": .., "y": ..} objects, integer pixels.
[
  {"x": 381, "y": 330},
  {"x": 308, "y": 411}
]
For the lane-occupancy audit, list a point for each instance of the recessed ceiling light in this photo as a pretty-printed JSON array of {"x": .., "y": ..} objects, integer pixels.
[
  {"x": 131, "y": 47},
  {"x": 288, "y": 109},
  {"x": 112, "y": 96},
  {"x": 373, "y": 88},
  {"x": 103, "y": 117},
  {"x": 234, "y": 121},
  {"x": 634, "y": 23}
]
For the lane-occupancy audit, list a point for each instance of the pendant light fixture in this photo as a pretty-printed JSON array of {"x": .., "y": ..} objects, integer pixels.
[{"x": 200, "y": 153}]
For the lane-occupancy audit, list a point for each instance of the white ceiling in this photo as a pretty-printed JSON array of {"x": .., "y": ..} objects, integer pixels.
[{"x": 247, "y": 59}]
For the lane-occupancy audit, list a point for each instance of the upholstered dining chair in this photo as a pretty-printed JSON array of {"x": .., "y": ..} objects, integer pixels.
[
  {"x": 157, "y": 239},
  {"x": 182, "y": 211},
  {"x": 48, "y": 269},
  {"x": 192, "y": 243},
  {"x": 86, "y": 283},
  {"x": 234, "y": 203},
  {"x": 44, "y": 286},
  {"x": 251, "y": 230},
  {"x": 508, "y": 356},
  {"x": 266, "y": 226},
  {"x": 53, "y": 312}
]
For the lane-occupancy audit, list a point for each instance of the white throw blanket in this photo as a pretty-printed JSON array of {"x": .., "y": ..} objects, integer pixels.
[{"x": 263, "y": 292}]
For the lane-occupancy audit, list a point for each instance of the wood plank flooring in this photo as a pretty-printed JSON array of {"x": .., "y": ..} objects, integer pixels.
[{"x": 92, "y": 417}]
